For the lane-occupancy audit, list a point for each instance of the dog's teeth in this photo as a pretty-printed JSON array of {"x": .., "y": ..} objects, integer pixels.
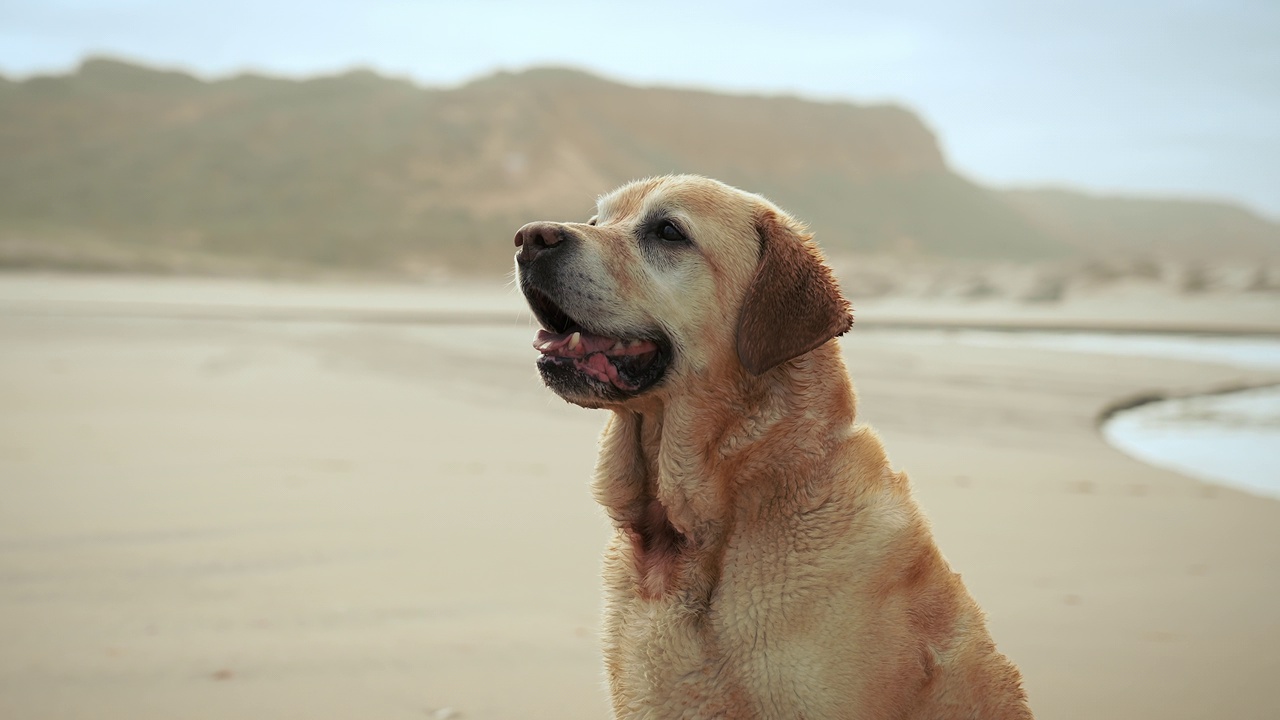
[
  {"x": 617, "y": 347},
  {"x": 575, "y": 340},
  {"x": 635, "y": 343}
]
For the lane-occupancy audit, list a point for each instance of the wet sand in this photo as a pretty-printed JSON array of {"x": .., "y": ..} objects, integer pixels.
[{"x": 247, "y": 513}]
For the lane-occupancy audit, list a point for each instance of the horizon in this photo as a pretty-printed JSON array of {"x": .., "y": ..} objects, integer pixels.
[{"x": 1149, "y": 100}]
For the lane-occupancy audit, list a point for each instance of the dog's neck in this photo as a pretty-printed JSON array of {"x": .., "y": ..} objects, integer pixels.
[{"x": 674, "y": 475}]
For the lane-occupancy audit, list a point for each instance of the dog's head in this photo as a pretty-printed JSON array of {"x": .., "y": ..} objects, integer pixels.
[{"x": 674, "y": 280}]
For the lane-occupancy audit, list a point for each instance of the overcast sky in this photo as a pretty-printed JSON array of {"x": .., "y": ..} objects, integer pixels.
[{"x": 1166, "y": 97}]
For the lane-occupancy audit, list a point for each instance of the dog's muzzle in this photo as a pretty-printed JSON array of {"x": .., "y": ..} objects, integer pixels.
[{"x": 579, "y": 359}]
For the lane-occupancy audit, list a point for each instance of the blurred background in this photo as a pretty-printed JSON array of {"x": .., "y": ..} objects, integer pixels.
[{"x": 271, "y": 439}]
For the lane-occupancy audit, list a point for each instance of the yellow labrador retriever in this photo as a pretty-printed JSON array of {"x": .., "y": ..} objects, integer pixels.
[{"x": 767, "y": 562}]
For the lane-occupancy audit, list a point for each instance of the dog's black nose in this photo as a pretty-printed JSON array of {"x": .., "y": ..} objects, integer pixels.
[{"x": 534, "y": 238}]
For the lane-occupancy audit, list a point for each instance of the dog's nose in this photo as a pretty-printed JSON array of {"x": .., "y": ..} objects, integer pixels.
[{"x": 534, "y": 238}]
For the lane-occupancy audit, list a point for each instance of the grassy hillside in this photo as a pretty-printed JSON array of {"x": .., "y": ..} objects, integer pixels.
[{"x": 117, "y": 165}]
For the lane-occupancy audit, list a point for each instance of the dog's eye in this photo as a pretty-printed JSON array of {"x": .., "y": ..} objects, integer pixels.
[{"x": 668, "y": 231}]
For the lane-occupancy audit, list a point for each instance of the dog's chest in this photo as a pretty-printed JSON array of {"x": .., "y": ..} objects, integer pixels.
[
  {"x": 732, "y": 657},
  {"x": 666, "y": 661}
]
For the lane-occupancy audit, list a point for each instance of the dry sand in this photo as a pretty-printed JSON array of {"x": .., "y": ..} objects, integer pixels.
[{"x": 205, "y": 514}]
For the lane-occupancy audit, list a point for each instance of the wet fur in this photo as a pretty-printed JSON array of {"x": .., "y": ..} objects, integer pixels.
[{"x": 767, "y": 561}]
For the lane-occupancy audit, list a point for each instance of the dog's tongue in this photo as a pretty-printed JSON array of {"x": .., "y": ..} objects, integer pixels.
[
  {"x": 591, "y": 353},
  {"x": 580, "y": 344}
]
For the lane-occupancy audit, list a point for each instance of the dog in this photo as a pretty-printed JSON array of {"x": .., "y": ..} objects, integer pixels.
[{"x": 766, "y": 560}]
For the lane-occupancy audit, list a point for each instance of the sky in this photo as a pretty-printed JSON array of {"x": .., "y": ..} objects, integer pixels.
[{"x": 1149, "y": 97}]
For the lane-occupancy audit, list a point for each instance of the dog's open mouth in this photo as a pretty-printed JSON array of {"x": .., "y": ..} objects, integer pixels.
[{"x": 626, "y": 364}]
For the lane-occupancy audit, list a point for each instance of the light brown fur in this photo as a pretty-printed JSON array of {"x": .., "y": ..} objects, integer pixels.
[{"x": 767, "y": 561}]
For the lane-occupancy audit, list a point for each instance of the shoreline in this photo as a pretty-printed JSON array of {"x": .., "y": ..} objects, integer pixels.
[{"x": 1140, "y": 399}]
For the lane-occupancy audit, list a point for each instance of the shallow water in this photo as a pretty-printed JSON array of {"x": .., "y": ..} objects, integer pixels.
[{"x": 1232, "y": 439}]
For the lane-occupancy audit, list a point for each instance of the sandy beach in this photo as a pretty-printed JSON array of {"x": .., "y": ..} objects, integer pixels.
[{"x": 251, "y": 500}]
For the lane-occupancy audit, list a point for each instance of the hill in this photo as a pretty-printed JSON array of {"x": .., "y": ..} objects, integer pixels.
[
  {"x": 117, "y": 165},
  {"x": 1200, "y": 229}
]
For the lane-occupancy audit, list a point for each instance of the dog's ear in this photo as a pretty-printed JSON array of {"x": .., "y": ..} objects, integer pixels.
[{"x": 794, "y": 304}]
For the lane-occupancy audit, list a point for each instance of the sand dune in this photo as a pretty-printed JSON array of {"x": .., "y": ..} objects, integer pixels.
[{"x": 212, "y": 516}]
